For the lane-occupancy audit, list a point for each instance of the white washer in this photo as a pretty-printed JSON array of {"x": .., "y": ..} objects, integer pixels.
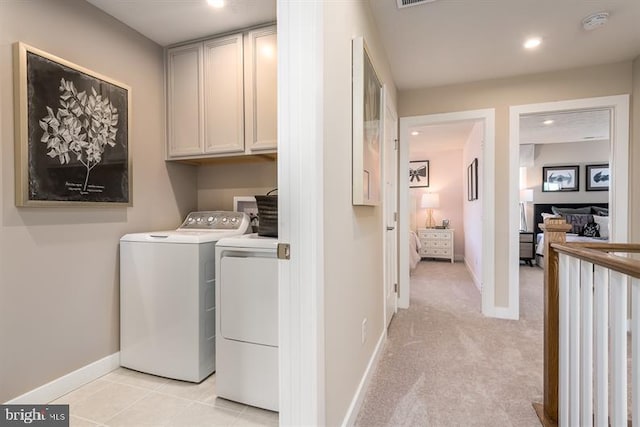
[
  {"x": 167, "y": 296},
  {"x": 247, "y": 320}
]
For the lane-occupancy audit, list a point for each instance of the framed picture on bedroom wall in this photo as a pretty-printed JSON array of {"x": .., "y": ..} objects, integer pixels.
[
  {"x": 472, "y": 181},
  {"x": 560, "y": 178},
  {"x": 418, "y": 173},
  {"x": 598, "y": 177}
]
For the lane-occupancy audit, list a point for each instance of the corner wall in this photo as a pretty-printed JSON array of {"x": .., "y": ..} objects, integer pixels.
[
  {"x": 59, "y": 269},
  {"x": 472, "y": 210},
  {"x": 352, "y": 234},
  {"x": 602, "y": 80}
]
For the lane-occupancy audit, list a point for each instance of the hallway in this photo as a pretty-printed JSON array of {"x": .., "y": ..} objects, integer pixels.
[{"x": 444, "y": 364}]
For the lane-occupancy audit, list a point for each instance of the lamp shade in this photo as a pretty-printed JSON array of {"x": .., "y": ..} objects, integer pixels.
[
  {"x": 430, "y": 200},
  {"x": 526, "y": 195}
]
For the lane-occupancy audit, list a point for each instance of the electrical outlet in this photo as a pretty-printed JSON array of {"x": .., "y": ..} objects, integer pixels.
[{"x": 364, "y": 330}]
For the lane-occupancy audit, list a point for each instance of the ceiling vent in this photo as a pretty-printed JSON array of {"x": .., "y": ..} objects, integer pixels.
[{"x": 409, "y": 3}]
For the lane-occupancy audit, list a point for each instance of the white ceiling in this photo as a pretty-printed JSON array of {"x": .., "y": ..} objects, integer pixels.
[
  {"x": 568, "y": 126},
  {"x": 436, "y": 138},
  {"x": 437, "y": 43},
  {"x": 454, "y": 41},
  {"x": 168, "y": 22}
]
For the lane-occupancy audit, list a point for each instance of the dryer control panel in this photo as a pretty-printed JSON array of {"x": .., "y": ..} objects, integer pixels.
[{"x": 215, "y": 220}]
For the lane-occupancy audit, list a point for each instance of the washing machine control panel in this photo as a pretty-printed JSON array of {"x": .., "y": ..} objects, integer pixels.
[{"x": 216, "y": 220}]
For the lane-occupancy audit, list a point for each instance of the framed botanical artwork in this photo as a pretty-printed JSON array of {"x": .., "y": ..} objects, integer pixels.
[
  {"x": 367, "y": 108},
  {"x": 472, "y": 180},
  {"x": 560, "y": 178},
  {"x": 598, "y": 177},
  {"x": 72, "y": 134},
  {"x": 418, "y": 173}
]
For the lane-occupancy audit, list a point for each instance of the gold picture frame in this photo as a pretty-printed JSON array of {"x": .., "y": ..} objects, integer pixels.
[{"x": 71, "y": 134}]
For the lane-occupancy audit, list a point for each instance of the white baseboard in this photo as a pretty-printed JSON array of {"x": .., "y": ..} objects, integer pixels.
[
  {"x": 356, "y": 403},
  {"x": 502, "y": 313},
  {"x": 476, "y": 280},
  {"x": 63, "y": 385}
]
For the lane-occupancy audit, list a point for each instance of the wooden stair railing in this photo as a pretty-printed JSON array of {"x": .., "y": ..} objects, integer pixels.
[{"x": 555, "y": 230}]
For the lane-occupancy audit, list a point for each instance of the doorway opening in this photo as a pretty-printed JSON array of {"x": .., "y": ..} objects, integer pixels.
[
  {"x": 613, "y": 111},
  {"x": 411, "y": 218}
]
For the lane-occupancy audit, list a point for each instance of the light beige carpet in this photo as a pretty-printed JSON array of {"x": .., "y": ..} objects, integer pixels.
[{"x": 445, "y": 364}]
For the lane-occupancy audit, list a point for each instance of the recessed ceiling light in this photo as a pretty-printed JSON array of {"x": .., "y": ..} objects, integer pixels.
[
  {"x": 532, "y": 42},
  {"x": 548, "y": 122},
  {"x": 415, "y": 132},
  {"x": 216, "y": 3}
]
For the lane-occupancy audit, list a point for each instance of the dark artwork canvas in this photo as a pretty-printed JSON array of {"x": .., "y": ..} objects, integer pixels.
[{"x": 77, "y": 135}]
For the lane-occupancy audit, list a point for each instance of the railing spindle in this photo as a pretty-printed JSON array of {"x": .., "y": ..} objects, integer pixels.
[
  {"x": 618, "y": 292},
  {"x": 574, "y": 341},
  {"x": 601, "y": 324},
  {"x": 563, "y": 334},
  {"x": 586, "y": 340}
]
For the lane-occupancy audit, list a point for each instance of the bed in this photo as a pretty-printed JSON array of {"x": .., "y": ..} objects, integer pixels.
[
  {"x": 414, "y": 250},
  {"x": 574, "y": 236}
]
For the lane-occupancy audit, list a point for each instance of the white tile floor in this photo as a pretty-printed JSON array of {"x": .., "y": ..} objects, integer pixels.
[{"x": 129, "y": 398}]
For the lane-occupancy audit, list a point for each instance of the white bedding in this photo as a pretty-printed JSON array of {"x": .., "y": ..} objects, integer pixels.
[
  {"x": 414, "y": 250},
  {"x": 570, "y": 238}
]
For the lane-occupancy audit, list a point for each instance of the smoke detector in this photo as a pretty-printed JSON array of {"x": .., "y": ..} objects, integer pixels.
[
  {"x": 595, "y": 20},
  {"x": 409, "y": 3}
]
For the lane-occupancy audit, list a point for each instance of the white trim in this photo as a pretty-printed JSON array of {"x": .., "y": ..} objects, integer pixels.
[
  {"x": 69, "y": 382},
  {"x": 300, "y": 212},
  {"x": 476, "y": 280},
  {"x": 387, "y": 105},
  {"x": 358, "y": 398},
  {"x": 487, "y": 197},
  {"x": 619, "y": 159}
]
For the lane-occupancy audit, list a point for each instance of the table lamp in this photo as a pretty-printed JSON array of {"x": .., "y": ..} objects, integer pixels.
[
  {"x": 430, "y": 201},
  {"x": 526, "y": 196}
]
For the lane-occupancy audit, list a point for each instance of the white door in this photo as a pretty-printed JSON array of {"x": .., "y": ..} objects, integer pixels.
[{"x": 391, "y": 210}]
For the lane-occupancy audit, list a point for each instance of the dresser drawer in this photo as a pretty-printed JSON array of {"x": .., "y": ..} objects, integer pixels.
[
  {"x": 526, "y": 250},
  {"x": 526, "y": 237},
  {"x": 438, "y": 243},
  {"x": 437, "y": 235},
  {"x": 435, "y": 252}
]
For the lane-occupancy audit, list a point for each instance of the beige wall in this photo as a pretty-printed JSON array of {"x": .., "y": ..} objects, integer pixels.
[
  {"x": 472, "y": 210},
  {"x": 353, "y": 235},
  {"x": 603, "y": 80},
  {"x": 59, "y": 303},
  {"x": 218, "y": 183}
]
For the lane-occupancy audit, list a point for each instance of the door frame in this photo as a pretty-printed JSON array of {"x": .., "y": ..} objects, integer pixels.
[
  {"x": 388, "y": 105},
  {"x": 487, "y": 116},
  {"x": 618, "y": 159},
  {"x": 301, "y": 212}
]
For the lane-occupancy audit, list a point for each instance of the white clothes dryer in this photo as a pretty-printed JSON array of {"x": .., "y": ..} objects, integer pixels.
[
  {"x": 247, "y": 320},
  {"x": 167, "y": 296}
]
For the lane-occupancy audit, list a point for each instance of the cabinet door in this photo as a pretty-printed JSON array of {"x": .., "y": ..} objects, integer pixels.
[
  {"x": 261, "y": 89},
  {"x": 223, "y": 95},
  {"x": 184, "y": 100}
]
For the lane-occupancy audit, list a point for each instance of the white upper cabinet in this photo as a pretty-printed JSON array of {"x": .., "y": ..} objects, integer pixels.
[
  {"x": 222, "y": 96},
  {"x": 185, "y": 80},
  {"x": 261, "y": 76}
]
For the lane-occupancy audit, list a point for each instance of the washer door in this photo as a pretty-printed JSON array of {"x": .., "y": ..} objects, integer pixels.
[{"x": 249, "y": 299}]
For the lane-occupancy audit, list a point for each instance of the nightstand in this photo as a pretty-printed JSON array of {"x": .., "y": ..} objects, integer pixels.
[
  {"x": 527, "y": 247},
  {"x": 436, "y": 242}
]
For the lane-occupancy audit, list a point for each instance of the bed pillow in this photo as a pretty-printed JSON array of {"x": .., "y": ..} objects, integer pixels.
[
  {"x": 591, "y": 229},
  {"x": 603, "y": 222},
  {"x": 549, "y": 215},
  {"x": 578, "y": 221},
  {"x": 562, "y": 211},
  {"x": 600, "y": 211}
]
